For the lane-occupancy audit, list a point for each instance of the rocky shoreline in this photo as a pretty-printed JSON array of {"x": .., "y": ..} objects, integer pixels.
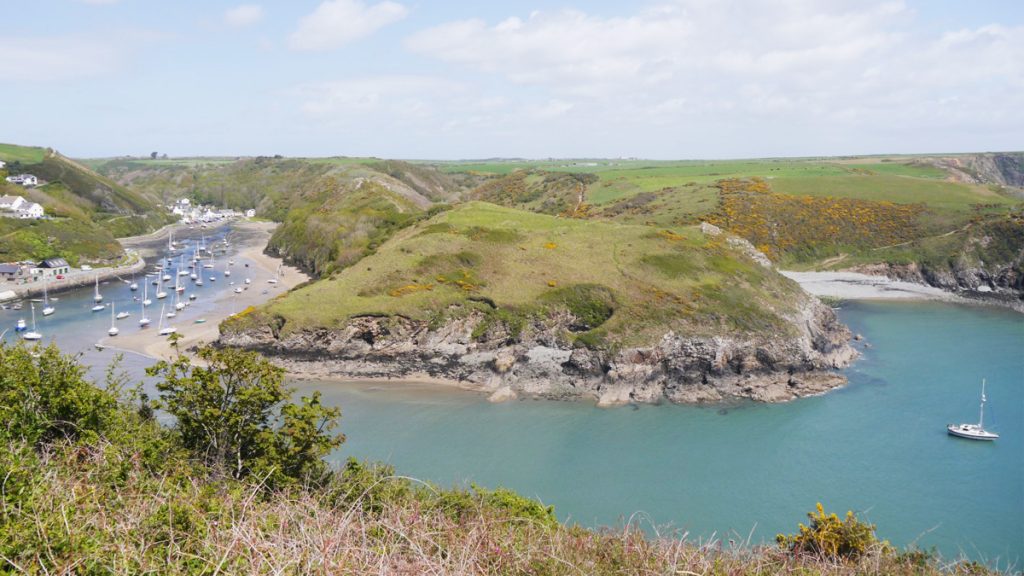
[{"x": 538, "y": 362}]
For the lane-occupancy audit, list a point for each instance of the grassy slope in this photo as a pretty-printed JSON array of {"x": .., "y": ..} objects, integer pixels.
[
  {"x": 89, "y": 210},
  {"x": 680, "y": 193},
  {"x": 530, "y": 264}
]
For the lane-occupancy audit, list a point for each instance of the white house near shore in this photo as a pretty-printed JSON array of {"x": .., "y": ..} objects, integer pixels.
[
  {"x": 18, "y": 207},
  {"x": 2, "y": 164},
  {"x": 11, "y": 202},
  {"x": 30, "y": 211},
  {"x": 23, "y": 179}
]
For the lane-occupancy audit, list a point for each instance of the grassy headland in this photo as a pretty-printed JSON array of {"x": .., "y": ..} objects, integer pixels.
[{"x": 627, "y": 284}]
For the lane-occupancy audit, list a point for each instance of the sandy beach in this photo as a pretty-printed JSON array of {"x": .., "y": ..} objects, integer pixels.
[
  {"x": 856, "y": 286},
  {"x": 261, "y": 269}
]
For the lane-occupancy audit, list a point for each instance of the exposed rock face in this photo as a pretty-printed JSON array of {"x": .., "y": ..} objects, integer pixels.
[
  {"x": 1006, "y": 169},
  {"x": 538, "y": 361}
]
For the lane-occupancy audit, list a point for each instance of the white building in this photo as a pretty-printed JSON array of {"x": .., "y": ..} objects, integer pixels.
[
  {"x": 11, "y": 202},
  {"x": 23, "y": 179},
  {"x": 250, "y": 213},
  {"x": 30, "y": 211},
  {"x": 2, "y": 164}
]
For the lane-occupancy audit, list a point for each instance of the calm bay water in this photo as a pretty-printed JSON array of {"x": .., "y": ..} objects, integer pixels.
[{"x": 878, "y": 446}]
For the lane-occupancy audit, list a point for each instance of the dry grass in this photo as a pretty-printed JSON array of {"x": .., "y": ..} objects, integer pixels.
[{"x": 96, "y": 510}]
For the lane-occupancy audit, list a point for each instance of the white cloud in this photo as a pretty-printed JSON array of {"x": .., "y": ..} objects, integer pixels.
[
  {"x": 54, "y": 58},
  {"x": 243, "y": 15},
  {"x": 392, "y": 96},
  {"x": 800, "y": 71},
  {"x": 335, "y": 23}
]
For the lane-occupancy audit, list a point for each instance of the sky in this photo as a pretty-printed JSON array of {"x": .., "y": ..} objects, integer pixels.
[{"x": 433, "y": 79}]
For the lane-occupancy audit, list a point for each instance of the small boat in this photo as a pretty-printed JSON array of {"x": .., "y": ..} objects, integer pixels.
[
  {"x": 134, "y": 286},
  {"x": 122, "y": 315},
  {"x": 227, "y": 272},
  {"x": 164, "y": 330},
  {"x": 98, "y": 308},
  {"x": 238, "y": 290},
  {"x": 113, "y": 327},
  {"x": 200, "y": 320},
  {"x": 143, "y": 321},
  {"x": 191, "y": 296},
  {"x": 47, "y": 309},
  {"x": 145, "y": 299},
  {"x": 166, "y": 277},
  {"x": 974, "y": 431},
  {"x": 199, "y": 281},
  {"x": 97, "y": 297},
  {"x": 32, "y": 334},
  {"x": 248, "y": 281},
  {"x": 272, "y": 280},
  {"x": 20, "y": 326}
]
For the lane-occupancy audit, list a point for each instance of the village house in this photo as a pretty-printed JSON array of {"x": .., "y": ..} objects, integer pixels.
[
  {"x": 15, "y": 272},
  {"x": 30, "y": 211},
  {"x": 18, "y": 207},
  {"x": 11, "y": 202},
  {"x": 23, "y": 179},
  {"x": 250, "y": 213},
  {"x": 2, "y": 164},
  {"x": 54, "y": 266}
]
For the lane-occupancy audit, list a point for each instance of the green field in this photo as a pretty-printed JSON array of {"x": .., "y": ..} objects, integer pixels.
[{"x": 23, "y": 154}]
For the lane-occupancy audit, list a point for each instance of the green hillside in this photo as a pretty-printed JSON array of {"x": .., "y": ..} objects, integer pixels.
[
  {"x": 623, "y": 284},
  {"x": 86, "y": 211}
]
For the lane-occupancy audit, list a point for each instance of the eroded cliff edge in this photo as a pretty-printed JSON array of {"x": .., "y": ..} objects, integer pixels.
[{"x": 768, "y": 368}]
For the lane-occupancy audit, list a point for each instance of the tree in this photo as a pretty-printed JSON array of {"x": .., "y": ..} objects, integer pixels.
[
  {"x": 235, "y": 415},
  {"x": 152, "y": 155}
]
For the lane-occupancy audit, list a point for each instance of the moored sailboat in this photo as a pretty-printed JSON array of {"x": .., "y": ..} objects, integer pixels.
[{"x": 974, "y": 431}]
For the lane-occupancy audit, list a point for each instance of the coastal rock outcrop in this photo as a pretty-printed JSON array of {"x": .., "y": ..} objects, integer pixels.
[{"x": 539, "y": 361}]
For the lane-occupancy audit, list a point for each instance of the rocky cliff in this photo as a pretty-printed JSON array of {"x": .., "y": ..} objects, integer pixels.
[{"x": 540, "y": 362}]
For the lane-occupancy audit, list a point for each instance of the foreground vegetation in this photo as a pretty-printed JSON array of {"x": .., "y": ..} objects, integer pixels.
[{"x": 95, "y": 484}]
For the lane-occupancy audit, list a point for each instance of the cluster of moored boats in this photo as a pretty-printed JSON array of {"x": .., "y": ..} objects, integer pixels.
[{"x": 199, "y": 265}]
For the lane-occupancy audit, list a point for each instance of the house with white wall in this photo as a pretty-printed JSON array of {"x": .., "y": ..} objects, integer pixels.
[
  {"x": 30, "y": 211},
  {"x": 11, "y": 202},
  {"x": 23, "y": 179}
]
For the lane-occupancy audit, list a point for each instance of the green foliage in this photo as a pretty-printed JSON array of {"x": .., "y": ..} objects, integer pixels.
[
  {"x": 44, "y": 397},
  {"x": 233, "y": 414},
  {"x": 590, "y": 304},
  {"x": 829, "y": 537}
]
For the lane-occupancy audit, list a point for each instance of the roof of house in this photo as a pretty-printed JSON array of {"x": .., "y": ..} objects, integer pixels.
[
  {"x": 54, "y": 263},
  {"x": 9, "y": 268},
  {"x": 8, "y": 199}
]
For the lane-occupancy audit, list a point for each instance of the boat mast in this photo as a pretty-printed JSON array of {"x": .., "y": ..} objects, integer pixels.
[{"x": 981, "y": 414}]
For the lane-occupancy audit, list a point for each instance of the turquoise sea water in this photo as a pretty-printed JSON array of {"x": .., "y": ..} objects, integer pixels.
[{"x": 877, "y": 446}]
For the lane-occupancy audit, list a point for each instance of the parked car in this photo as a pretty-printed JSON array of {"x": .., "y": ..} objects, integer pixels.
[
  {"x": 60, "y": 276},
  {"x": 86, "y": 267}
]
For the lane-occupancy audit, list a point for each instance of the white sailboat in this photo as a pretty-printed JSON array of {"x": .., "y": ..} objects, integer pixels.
[
  {"x": 122, "y": 314},
  {"x": 143, "y": 321},
  {"x": 160, "y": 294},
  {"x": 974, "y": 431},
  {"x": 113, "y": 327},
  {"x": 145, "y": 295},
  {"x": 178, "y": 304},
  {"x": 98, "y": 297},
  {"x": 47, "y": 309},
  {"x": 32, "y": 334},
  {"x": 164, "y": 330},
  {"x": 134, "y": 286},
  {"x": 20, "y": 325}
]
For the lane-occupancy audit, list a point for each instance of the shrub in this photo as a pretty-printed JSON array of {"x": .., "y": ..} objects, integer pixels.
[{"x": 829, "y": 537}]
